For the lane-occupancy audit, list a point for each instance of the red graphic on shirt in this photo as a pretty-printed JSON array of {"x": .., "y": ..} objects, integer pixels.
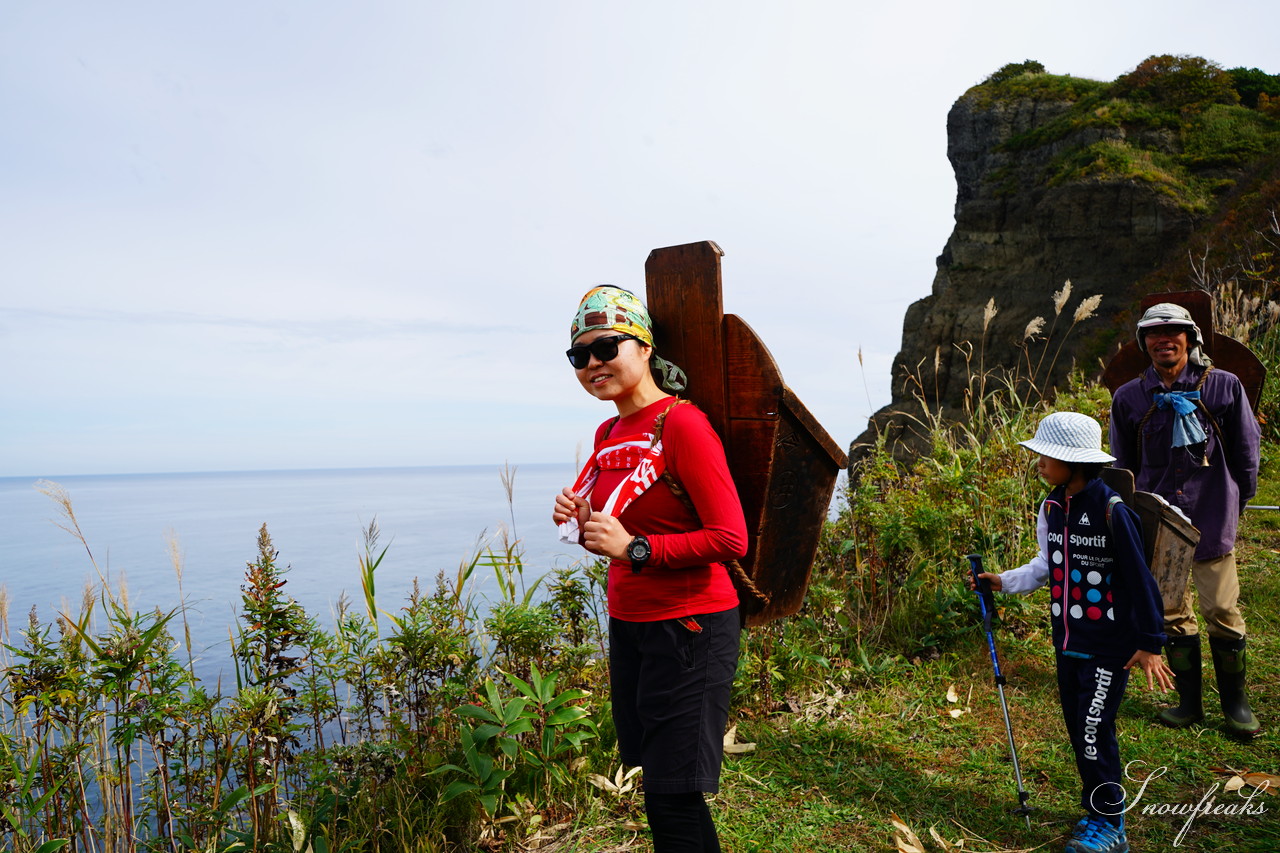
[
  {"x": 622, "y": 458},
  {"x": 1093, "y": 613}
]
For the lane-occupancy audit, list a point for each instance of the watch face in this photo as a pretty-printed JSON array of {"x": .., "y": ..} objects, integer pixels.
[{"x": 638, "y": 550}]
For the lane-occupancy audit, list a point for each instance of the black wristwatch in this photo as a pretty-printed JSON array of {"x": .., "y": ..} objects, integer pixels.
[{"x": 638, "y": 553}]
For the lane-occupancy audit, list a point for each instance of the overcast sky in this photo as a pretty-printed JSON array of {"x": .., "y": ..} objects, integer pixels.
[{"x": 319, "y": 234}]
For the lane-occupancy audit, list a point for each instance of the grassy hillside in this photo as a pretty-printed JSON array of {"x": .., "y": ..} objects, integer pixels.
[
  {"x": 1181, "y": 124},
  {"x": 856, "y": 752},
  {"x": 875, "y": 707}
]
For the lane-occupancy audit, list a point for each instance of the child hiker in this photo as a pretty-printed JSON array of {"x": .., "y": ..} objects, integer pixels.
[{"x": 1106, "y": 612}]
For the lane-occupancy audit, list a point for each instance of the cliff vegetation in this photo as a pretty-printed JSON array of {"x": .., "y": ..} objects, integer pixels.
[{"x": 1165, "y": 179}]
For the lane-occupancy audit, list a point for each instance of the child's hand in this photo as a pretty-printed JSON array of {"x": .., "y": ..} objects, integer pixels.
[
  {"x": 992, "y": 579},
  {"x": 1155, "y": 668}
]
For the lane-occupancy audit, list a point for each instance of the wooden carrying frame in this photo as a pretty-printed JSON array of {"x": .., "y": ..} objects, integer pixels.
[
  {"x": 1168, "y": 539},
  {"x": 784, "y": 463}
]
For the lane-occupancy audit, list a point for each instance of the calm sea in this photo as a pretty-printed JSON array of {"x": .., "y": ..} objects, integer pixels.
[{"x": 432, "y": 519}]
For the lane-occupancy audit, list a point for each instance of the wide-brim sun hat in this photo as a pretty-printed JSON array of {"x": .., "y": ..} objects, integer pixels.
[
  {"x": 1069, "y": 437},
  {"x": 1169, "y": 314},
  {"x": 1173, "y": 314}
]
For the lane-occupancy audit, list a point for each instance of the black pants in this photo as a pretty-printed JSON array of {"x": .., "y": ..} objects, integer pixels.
[
  {"x": 1090, "y": 691},
  {"x": 681, "y": 823},
  {"x": 671, "y": 683}
]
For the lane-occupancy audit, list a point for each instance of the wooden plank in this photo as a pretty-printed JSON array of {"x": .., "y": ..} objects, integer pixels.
[
  {"x": 1234, "y": 357},
  {"x": 803, "y": 463},
  {"x": 754, "y": 382},
  {"x": 684, "y": 299},
  {"x": 1168, "y": 540},
  {"x": 1121, "y": 482},
  {"x": 754, "y": 386},
  {"x": 783, "y": 462},
  {"x": 834, "y": 452},
  {"x": 800, "y": 485},
  {"x": 751, "y": 471},
  {"x": 1170, "y": 545}
]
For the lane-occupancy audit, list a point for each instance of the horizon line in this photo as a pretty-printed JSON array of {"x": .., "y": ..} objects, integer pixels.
[{"x": 297, "y": 470}]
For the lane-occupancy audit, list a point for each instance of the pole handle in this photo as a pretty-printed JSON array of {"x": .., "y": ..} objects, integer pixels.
[{"x": 982, "y": 586}]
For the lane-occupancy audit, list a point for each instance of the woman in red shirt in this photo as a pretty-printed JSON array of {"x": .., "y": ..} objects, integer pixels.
[{"x": 673, "y": 610}]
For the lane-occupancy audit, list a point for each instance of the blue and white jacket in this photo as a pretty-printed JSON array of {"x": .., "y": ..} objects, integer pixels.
[{"x": 1103, "y": 599}]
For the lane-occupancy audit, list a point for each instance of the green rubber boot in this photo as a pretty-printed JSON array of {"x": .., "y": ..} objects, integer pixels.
[
  {"x": 1184, "y": 660},
  {"x": 1229, "y": 669}
]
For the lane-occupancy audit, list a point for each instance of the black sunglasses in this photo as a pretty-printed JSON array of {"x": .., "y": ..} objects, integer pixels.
[{"x": 604, "y": 349}]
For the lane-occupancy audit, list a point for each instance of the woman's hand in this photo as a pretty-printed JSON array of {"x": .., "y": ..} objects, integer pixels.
[
  {"x": 603, "y": 534},
  {"x": 568, "y": 505},
  {"x": 1155, "y": 668}
]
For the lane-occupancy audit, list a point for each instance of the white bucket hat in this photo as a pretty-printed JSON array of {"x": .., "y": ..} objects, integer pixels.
[{"x": 1069, "y": 437}]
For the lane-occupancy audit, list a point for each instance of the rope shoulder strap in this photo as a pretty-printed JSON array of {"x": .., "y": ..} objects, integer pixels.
[
  {"x": 752, "y": 598},
  {"x": 1217, "y": 430}
]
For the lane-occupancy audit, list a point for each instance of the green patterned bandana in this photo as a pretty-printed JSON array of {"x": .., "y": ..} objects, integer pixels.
[{"x": 609, "y": 307}]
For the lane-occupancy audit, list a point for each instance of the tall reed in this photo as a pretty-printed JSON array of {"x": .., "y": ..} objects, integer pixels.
[{"x": 332, "y": 738}]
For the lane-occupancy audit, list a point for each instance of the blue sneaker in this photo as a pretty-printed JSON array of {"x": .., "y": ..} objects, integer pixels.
[{"x": 1098, "y": 835}]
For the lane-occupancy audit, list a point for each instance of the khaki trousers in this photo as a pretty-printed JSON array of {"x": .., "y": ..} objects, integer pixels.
[{"x": 1218, "y": 588}]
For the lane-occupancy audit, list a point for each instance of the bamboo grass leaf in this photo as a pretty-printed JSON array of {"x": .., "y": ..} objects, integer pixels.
[
  {"x": 232, "y": 800},
  {"x": 514, "y": 713},
  {"x": 476, "y": 712},
  {"x": 13, "y": 820},
  {"x": 566, "y": 715},
  {"x": 485, "y": 732},
  {"x": 457, "y": 788},
  {"x": 523, "y": 686},
  {"x": 447, "y": 768},
  {"x": 495, "y": 699},
  {"x": 50, "y": 846},
  {"x": 520, "y": 726}
]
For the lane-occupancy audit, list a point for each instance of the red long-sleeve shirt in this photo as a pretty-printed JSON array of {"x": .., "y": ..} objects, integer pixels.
[{"x": 686, "y": 573}]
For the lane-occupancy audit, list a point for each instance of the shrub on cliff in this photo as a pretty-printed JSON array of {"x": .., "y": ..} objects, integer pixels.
[
  {"x": 1174, "y": 122},
  {"x": 1250, "y": 83},
  {"x": 1015, "y": 69},
  {"x": 1029, "y": 79},
  {"x": 1224, "y": 135},
  {"x": 1180, "y": 82}
]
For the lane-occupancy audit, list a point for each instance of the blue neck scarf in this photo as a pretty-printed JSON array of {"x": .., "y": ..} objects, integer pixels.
[{"x": 1186, "y": 426}]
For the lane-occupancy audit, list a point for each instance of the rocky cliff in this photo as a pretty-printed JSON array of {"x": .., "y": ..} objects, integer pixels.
[{"x": 1062, "y": 179}]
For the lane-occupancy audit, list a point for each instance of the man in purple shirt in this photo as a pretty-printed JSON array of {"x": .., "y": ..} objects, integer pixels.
[{"x": 1187, "y": 432}]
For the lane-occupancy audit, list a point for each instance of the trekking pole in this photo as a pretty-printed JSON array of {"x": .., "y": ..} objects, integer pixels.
[{"x": 987, "y": 601}]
